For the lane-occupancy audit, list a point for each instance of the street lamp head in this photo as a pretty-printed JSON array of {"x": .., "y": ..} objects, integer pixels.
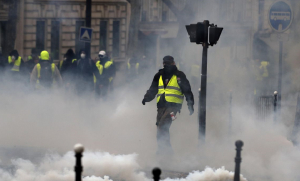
[
  {"x": 78, "y": 148},
  {"x": 275, "y": 92}
]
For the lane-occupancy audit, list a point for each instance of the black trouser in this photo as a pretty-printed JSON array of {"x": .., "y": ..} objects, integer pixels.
[{"x": 163, "y": 123}]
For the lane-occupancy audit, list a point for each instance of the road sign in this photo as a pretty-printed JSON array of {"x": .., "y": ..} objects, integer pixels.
[
  {"x": 85, "y": 34},
  {"x": 280, "y": 16}
]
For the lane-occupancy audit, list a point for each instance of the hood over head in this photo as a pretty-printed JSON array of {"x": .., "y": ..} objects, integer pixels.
[
  {"x": 70, "y": 54},
  {"x": 14, "y": 53}
]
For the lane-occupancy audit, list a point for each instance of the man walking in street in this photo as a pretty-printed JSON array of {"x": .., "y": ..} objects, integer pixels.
[{"x": 170, "y": 85}]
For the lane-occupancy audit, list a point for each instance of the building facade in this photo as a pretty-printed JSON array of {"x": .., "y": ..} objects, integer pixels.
[{"x": 54, "y": 25}]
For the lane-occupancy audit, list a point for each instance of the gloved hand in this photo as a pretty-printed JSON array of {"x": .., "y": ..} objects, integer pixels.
[
  {"x": 143, "y": 102},
  {"x": 191, "y": 109}
]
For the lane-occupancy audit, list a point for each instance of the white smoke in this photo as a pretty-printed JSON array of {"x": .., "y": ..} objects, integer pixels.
[{"x": 98, "y": 166}]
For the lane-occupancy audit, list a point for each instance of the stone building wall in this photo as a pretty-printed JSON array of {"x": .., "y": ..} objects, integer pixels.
[{"x": 67, "y": 13}]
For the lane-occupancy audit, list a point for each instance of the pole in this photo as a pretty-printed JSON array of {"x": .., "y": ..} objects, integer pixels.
[
  {"x": 275, "y": 106},
  {"x": 78, "y": 149},
  {"x": 202, "y": 115},
  {"x": 238, "y": 159},
  {"x": 230, "y": 113},
  {"x": 279, "y": 79},
  {"x": 156, "y": 174},
  {"x": 88, "y": 17}
]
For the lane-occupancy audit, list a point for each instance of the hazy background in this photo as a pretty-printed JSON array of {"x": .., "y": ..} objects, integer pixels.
[{"x": 34, "y": 125}]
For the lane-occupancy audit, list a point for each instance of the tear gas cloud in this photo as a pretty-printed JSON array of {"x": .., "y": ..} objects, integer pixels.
[{"x": 38, "y": 124}]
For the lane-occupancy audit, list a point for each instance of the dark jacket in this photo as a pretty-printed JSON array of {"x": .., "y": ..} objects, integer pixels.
[
  {"x": 68, "y": 69},
  {"x": 107, "y": 72},
  {"x": 86, "y": 68},
  {"x": 167, "y": 72}
]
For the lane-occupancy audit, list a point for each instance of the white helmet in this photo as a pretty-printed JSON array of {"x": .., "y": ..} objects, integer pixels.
[{"x": 102, "y": 53}]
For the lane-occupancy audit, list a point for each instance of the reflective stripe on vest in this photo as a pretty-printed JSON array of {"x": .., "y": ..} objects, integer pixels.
[
  {"x": 172, "y": 92},
  {"x": 74, "y": 60},
  {"x": 17, "y": 63},
  {"x": 38, "y": 67}
]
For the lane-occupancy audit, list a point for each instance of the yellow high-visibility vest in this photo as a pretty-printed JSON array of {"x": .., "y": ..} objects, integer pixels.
[
  {"x": 60, "y": 64},
  {"x": 137, "y": 65},
  {"x": 172, "y": 92},
  {"x": 17, "y": 63},
  {"x": 263, "y": 65},
  {"x": 100, "y": 68},
  {"x": 38, "y": 67},
  {"x": 62, "y": 61}
]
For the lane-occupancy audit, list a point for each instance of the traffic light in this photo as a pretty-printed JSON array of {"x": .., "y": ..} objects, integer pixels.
[
  {"x": 200, "y": 32},
  {"x": 214, "y": 34}
]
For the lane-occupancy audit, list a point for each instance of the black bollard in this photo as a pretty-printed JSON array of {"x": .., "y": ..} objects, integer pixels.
[
  {"x": 78, "y": 148},
  {"x": 238, "y": 159},
  {"x": 275, "y": 106},
  {"x": 156, "y": 174}
]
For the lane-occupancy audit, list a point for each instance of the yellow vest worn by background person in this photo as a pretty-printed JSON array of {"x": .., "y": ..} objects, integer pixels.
[
  {"x": 263, "y": 65},
  {"x": 100, "y": 68},
  {"x": 172, "y": 91},
  {"x": 62, "y": 61},
  {"x": 38, "y": 67},
  {"x": 107, "y": 65},
  {"x": 137, "y": 65},
  {"x": 17, "y": 63}
]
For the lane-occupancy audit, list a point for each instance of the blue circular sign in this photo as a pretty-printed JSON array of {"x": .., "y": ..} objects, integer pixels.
[{"x": 280, "y": 16}]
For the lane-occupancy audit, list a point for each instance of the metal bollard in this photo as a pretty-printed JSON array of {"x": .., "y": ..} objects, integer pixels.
[
  {"x": 78, "y": 148},
  {"x": 275, "y": 106},
  {"x": 156, "y": 174},
  {"x": 238, "y": 159}
]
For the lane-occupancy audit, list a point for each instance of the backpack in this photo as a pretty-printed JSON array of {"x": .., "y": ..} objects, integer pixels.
[{"x": 45, "y": 74}]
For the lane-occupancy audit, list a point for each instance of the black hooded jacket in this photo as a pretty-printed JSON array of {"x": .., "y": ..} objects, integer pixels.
[
  {"x": 68, "y": 69},
  {"x": 167, "y": 73}
]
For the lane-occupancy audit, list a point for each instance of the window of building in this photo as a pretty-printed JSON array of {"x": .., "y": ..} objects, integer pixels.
[
  {"x": 79, "y": 44},
  {"x": 55, "y": 28},
  {"x": 2, "y": 34},
  {"x": 103, "y": 35},
  {"x": 40, "y": 35},
  {"x": 116, "y": 38}
]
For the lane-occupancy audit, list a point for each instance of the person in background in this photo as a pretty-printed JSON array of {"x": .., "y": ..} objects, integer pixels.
[
  {"x": 68, "y": 69},
  {"x": 45, "y": 75},
  {"x": 133, "y": 68},
  {"x": 32, "y": 60},
  {"x": 169, "y": 86},
  {"x": 108, "y": 73},
  {"x": 86, "y": 69},
  {"x": 15, "y": 69}
]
